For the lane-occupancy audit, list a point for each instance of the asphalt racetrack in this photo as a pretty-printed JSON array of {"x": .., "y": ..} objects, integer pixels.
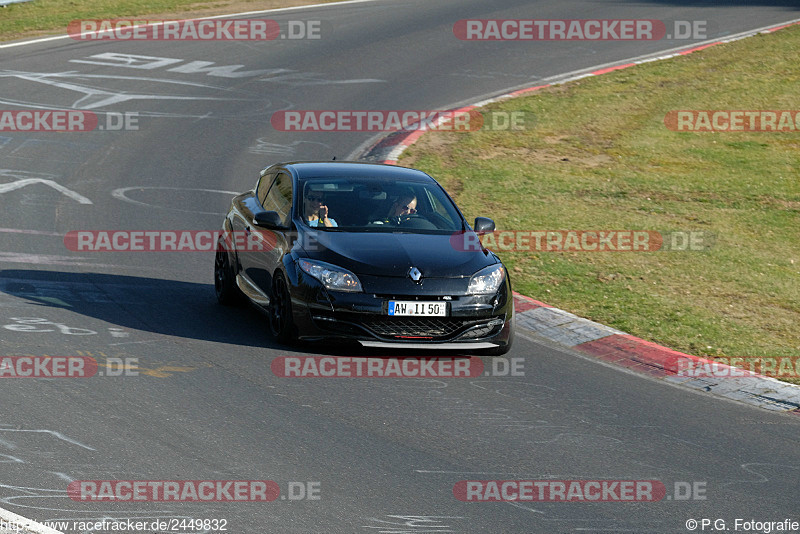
[{"x": 375, "y": 455}]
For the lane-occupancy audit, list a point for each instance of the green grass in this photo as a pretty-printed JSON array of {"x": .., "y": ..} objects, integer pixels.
[
  {"x": 600, "y": 158},
  {"x": 42, "y": 17}
]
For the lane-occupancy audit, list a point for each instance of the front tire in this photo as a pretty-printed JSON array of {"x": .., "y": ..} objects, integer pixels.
[
  {"x": 501, "y": 350},
  {"x": 280, "y": 312}
]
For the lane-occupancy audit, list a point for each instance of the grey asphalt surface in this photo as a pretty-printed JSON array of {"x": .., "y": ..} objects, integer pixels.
[{"x": 206, "y": 405}]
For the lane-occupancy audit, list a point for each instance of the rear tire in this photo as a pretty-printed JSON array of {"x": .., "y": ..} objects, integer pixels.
[
  {"x": 281, "y": 324},
  {"x": 228, "y": 293}
]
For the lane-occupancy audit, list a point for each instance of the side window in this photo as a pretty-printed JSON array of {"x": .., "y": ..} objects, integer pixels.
[
  {"x": 263, "y": 187},
  {"x": 279, "y": 197}
]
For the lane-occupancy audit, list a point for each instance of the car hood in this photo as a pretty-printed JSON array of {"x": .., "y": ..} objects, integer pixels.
[{"x": 393, "y": 254}]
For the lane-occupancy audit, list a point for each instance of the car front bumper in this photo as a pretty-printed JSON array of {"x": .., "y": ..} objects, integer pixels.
[{"x": 472, "y": 322}]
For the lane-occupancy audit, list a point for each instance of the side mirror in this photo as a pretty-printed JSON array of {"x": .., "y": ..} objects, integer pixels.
[
  {"x": 483, "y": 225},
  {"x": 268, "y": 219}
]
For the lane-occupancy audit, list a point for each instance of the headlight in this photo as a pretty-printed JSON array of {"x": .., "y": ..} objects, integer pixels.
[
  {"x": 332, "y": 277},
  {"x": 487, "y": 281}
]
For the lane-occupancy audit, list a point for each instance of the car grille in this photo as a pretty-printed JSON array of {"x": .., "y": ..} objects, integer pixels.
[{"x": 429, "y": 327}]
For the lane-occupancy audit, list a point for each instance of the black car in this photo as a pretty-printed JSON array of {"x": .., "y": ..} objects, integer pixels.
[{"x": 368, "y": 252}]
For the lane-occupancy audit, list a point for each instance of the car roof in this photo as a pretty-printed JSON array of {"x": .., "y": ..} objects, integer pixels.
[{"x": 333, "y": 169}]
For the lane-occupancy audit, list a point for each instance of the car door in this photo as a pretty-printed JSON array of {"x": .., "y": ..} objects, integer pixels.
[
  {"x": 267, "y": 246},
  {"x": 245, "y": 207}
]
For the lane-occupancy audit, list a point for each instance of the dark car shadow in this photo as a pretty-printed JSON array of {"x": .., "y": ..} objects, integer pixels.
[{"x": 169, "y": 307}]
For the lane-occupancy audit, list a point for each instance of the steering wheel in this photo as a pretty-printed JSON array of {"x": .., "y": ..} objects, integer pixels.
[{"x": 416, "y": 220}]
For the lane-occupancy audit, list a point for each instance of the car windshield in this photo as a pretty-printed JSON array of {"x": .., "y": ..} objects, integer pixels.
[{"x": 377, "y": 205}]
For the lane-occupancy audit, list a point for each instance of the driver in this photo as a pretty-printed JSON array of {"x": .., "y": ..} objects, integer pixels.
[{"x": 405, "y": 205}]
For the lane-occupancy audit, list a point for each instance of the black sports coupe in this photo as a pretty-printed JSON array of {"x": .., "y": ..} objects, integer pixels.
[{"x": 368, "y": 252}]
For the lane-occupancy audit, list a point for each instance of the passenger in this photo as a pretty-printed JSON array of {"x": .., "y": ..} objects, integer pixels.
[{"x": 316, "y": 211}]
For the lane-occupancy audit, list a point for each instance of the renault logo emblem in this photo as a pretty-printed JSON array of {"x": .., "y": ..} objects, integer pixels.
[{"x": 415, "y": 274}]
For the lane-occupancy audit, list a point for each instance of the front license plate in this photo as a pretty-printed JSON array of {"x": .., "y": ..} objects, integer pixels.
[{"x": 413, "y": 307}]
